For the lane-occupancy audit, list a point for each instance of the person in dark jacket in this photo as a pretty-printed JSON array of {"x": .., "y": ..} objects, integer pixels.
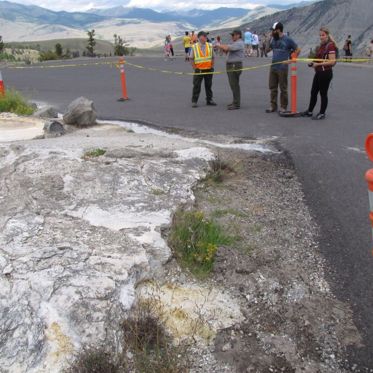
[{"x": 324, "y": 61}]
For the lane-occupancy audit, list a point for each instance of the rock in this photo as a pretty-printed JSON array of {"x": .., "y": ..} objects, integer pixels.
[
  {"x": 226, "y": 347},
  {"x": 46, "y": 112},
  {"x": 76, "y": 255},
  {"x": 81, "y": 112},
  {"x": 53, "y": 129}
]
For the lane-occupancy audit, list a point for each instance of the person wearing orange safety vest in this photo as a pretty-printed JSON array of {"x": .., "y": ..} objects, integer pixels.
[{"x": 202, "y": 58}]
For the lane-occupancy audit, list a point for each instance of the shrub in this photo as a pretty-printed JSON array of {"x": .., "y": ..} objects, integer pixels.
[
  {"x": 94, "y": 153},
  {"x": 148, "y": 348},
  {"x": 93, "y": 360},
  {"x": 13, "y": 102},
  {"x": 218, "y": 170},
  {"x": 195, "y": 240}
]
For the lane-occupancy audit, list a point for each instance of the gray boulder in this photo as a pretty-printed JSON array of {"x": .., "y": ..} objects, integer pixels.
[
  {"x": 46, "y": 112},
  {"x": 53, "y": 129},
  {"x": 81, "y": 112}
]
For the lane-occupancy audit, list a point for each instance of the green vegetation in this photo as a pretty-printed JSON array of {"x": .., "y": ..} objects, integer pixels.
[
  {"x": 147, "y": 348},
  {"x": 91, "y": 43},
  {"x": 94, "y": 153},
  {"x": 76, "y": 46},
  {"x": 195, "y": 240},
  {"x": 13, "y": 102},
  {"x": 7, "y": 57},
  {"x": 218, "y": 171}
]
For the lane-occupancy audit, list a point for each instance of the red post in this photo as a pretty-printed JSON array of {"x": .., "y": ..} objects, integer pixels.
[
  {"x": 123, "y": 80},
  {"x": 369, "y": 176},
  {"x": 294, "y": 83},
  {"x": 2, "y": 87}
]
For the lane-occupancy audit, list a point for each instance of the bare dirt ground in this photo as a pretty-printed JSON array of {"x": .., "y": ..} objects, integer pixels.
[{"x": 292, "y": 321}]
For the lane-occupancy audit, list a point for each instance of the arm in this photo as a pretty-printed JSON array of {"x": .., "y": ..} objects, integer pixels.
[{"x": 330, "y": 61}]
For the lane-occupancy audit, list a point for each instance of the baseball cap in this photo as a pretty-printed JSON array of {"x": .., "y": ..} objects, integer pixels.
[
  {"x": 202, "y": 33},
  {"x": 277, "y": 26},
  {"x": 236, "y": 32}
]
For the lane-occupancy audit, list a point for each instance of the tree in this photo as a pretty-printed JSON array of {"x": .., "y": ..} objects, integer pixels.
[
  {"x": 1, "y": 44},
  {"x": 120, "y": 46},
  {"x": 91, "y": 43},
  {"x": 58, "y": 50}
]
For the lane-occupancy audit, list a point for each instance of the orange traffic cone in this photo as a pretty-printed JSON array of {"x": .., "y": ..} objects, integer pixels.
[
  {"x": 2, "y": 87},
  {"x": 123, "y": 80}
]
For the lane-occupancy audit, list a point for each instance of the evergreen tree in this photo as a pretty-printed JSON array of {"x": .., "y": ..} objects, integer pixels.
[
  {"x": 91, "y": 43},
  {"x": 58, "y": 50}
]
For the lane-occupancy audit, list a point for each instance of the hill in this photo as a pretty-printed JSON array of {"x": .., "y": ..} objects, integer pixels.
[{"x": 343, "y": 17}]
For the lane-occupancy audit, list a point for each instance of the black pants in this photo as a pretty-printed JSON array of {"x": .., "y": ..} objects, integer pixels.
[
  {"x": 234, "y": 81},
  {"x": 197, "y": 82},
  {"x": 321, "y": 83}
]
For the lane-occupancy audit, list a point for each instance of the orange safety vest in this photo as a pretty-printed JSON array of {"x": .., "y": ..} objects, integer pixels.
[{"x": 202, "y": 61}]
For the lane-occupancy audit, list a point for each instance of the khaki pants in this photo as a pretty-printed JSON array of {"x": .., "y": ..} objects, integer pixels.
[
  {"x": 234, "y": 81},
  {"x": 278, "y": 78}
]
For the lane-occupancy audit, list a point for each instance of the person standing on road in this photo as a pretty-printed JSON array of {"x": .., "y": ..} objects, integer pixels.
[
  {"x": 369, "y": 51},
  {"x": 187, "y": 45},
  {"x": 248, "y": 36},
  {"x": 202, "y": 58},
  {"x": 348, "y": 48},
  {"x": 236, "y": 54},
  {"x": 282, "y": 47},
  {"x": 255, "y": 43},
  {"x": 263, "y": 45},
  {"x": 327, "y": 52}
]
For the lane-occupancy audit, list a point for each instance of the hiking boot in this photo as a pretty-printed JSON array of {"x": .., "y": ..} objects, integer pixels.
[
  {"x": 271, "y": 110},
  {"x": 307, "y": 114},
  {"x": 211, "y": 103},
  {"x": 233, "y": 107},
  {"x": 194, "y": 104},
  {"x": 319, "y": 117}
]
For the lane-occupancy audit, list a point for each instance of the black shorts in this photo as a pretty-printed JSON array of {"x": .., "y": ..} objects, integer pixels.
[
  {"x": 187, "y": 50},
  {"x": 255, "y": 47}
]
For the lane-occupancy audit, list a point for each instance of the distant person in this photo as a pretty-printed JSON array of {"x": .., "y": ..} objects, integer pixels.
[
  {"x": 370, "y": 50},
  {"x": 282, "y": 47},
  {"x": 217, "y": 44},
  {"x": 327, "y": 52},
  {"x": 167, "y": 49},
  {"x": 348, "y": 48},
  {"x": 236, "y": 54},
  {"x": 171, "y": 46},
  {"x": 248, "y": 40},
  {"x": 255, "y": 43},
  {"x": 264, "y": 45},
  {"x": 187, "y": 42},
  {"x": 202, "y": 58},
  {"x": 194, "y": 38}
]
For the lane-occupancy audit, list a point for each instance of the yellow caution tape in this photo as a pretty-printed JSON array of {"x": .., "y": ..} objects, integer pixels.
[{"x": 356, "y": 60}]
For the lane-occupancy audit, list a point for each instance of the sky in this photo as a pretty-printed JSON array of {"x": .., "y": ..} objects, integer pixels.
[{"x": 82, "y": 5}]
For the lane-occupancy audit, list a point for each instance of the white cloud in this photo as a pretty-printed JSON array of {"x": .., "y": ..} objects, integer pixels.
[{"x": 82, "y": 5}]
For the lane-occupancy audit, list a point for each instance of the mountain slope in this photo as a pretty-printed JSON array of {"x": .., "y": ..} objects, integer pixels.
[
  {"x": 342, "y": 17},
  {"x": 34, "y": 14}
]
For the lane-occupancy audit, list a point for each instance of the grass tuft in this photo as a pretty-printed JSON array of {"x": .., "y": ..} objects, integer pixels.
[
  {"x": 94, "y": 153},
  {"x": 195, "y": 240},
  {"x": 93, "y": 360},
  {"x": 13, "y": 102},
  {"x": 148, "y": 347},
  {"x": 219, "y": 169}
]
